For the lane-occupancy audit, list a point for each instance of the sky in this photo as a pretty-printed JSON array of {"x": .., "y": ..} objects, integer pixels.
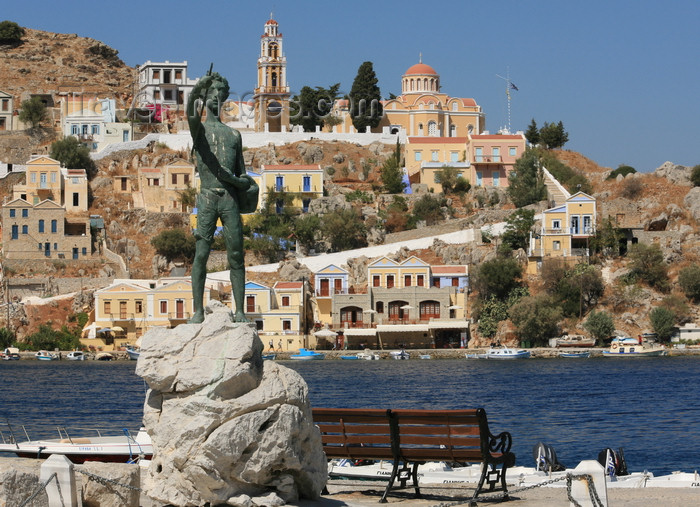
[{"x": 623, "y": 76}]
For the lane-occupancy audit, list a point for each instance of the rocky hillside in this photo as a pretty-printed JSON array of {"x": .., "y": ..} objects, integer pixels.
[{"x": 48, "y": 63}]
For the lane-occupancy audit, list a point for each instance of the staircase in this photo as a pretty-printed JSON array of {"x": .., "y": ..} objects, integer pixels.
[{"x": 557, "y": 193}]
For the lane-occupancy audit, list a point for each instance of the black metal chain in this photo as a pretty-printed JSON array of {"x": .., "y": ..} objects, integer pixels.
[
  {"x": 105, "y": 481},
  {"x": 42, "y": 487},
  {"x": 568, "y": 478}
]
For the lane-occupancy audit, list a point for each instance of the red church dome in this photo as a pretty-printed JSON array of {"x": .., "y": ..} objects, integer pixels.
[{"x": 421, "y": 69}]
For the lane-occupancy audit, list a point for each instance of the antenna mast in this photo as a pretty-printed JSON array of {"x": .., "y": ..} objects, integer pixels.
[{"x": 509, "y": 86}]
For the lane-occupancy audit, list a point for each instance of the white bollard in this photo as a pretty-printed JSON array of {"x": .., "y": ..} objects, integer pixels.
[
  {"x": 579, "y": 487},
  {"x": 63, "y": 468}
]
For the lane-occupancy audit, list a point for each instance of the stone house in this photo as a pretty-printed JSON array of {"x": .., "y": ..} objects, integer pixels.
[
  {"x": 159, "y": 187},
  {"x": 303, "y": 182},
  {"x": 6, "y": 111}
]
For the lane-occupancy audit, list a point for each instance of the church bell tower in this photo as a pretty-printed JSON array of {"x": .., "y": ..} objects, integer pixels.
[{"x": 272, "y": 93}]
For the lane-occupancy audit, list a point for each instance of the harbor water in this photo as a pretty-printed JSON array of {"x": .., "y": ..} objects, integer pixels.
[{"x": 647, "y": 406}]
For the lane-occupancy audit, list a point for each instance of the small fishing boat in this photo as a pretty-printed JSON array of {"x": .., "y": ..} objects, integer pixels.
[
  {"x": 425, "y": 356},
  {"x": 506, "y": 353},
  {"x": 133, "y": 353},
  {"x": 269, "y": 357},
  {"x": 44, "y": 355},
  {"x": 351, "y": 357},
  {"x": 576, "y": 355},
  {"x": 368, "y": 355},
  {"x": 622, "y": 346},
  {"x": 308, "y": 355},
  {"x": 399, "y": 354},
  {"x": 107, "y": 445},
  {"x": 104, "y": 356},
  {"x": 76, "y": 355}
]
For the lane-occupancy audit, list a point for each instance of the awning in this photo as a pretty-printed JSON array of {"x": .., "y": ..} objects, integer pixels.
[
  {"x": 449, "y": 324},
  {"x": 402, "y": 328},
  {"x": 356, "y": 331}
]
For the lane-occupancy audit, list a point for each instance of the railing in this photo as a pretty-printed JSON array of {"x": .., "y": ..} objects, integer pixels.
[
  {"x": 120, "y": 316},
  {"x": 579, "y": 231},
  {"x": 178, "y": 315}
]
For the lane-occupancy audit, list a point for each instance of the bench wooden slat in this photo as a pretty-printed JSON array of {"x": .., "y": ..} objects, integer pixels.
[
  {"x": 437, "y": 441},
  {"x": 446, "y": 431}
]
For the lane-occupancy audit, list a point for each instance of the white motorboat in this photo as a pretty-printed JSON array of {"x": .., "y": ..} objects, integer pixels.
[
  {"x": 133, "y": 353},
  {"x": 106, "y": 447},
  {"x": 399, "y": 354},
  {"x": 506, "y": 353},
  {"x": 76, "y": 355},
  {"x": 629, "y": 347},
  {"x": 368, "y": 355},
  {"x": 44, "y": 355},
  {"x": 575, "y": 340},
  {"x": 11, "y": 354}
]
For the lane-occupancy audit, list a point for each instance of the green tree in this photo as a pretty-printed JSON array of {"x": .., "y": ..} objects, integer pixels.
[
  {"x": 526, "y": 181},
  {"x": 553, "y": 135},
  {"x": 429, "y": 209},
  {"x": 447, "y": 177},
  {"x": 579, "y": 289},
  {"x": 311, "y": 108},
  {"x": 600, "y": 325},
  {"x": 517, "y": 230},
  {"x": 606, "y": 241},
  {"x": 491, "y": 311},
  {"x": 532, "y": 134},
  {"x": 647, "y": 264},
  {"x": 695, "y": 176},
  {"x": 174, "y": 244},
  {"x": 344, "y": 230},
  {"x": 392, "y": 173},
  {"x": 7, "y": 337},
  {"x": 662, "y": 322},
  {"x": 365, "y": 99},
  {"x": 72, "y": 154},
  {"x": 689, "y": 280},
  {"x": 266, "y": 248},
  {"x": 497, "y": 277},
  {"x": 33, "y": 111},
  {"x": 47, "y": 338},
  {"x": 187, "y": 196},
  {"x": 536, "y": 319},
  {"x": 573, "y": 180},
  {"x": 306, "y": 228},
  {"x": 10, "y": 32}
]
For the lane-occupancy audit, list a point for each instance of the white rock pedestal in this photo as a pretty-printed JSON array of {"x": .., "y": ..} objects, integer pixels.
[{"x": 227, "y": 427}]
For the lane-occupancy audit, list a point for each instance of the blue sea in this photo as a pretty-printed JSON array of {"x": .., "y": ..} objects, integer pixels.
[{"x": 647, "y": 406}]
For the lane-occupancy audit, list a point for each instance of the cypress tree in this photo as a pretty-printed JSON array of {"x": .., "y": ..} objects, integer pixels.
[{"x": 365, "y": 99}]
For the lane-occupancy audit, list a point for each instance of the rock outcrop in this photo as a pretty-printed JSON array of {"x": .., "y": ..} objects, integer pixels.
[{"x": 227, "y": 428}]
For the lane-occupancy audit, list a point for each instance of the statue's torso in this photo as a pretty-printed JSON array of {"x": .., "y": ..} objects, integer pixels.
[{"x": 216, "y": 152}]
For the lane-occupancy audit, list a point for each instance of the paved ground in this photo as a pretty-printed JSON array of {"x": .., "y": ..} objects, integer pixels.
[{"x": 365, "y": 493}]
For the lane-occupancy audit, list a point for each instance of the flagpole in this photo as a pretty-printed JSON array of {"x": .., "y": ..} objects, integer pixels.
[{"x": 509, "y": 85}]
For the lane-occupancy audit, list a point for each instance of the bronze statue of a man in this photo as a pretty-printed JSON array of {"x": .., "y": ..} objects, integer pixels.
[{"x": 219, "y": 156}]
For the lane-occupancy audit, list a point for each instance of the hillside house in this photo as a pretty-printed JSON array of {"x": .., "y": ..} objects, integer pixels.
[
  {"x": 6, "y": 111},
  {"x": 302, "y": 182},
  {"x": 565, "y": 232},
  {"x": 159, "y": 188},
  {"x": 164, "y": 84},
  {"x": 493, "y": 156}
]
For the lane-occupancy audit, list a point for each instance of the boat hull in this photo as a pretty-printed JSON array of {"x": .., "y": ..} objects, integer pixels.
[{"x": 643, "y": 353}]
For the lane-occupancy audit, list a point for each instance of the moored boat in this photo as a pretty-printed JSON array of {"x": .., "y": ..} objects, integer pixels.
[
  {"x": 575, "y": 340},
  {"x": 44, "y": 355},
  {"x": 629, "y": 347},
  {"x": 104, "y": 356},
  {"x": 307, "y": 355},
  {"x": 368, "y": 355},
  {"x": 11, "y": 354},
  {"x": 576, "y": 355},
  {"x": 117, "y": 448},
  {"x": 76, "y": 355},
  {"x": 269, "y": 357},
  {"x": 351, "y": 357},
  {"x": 133, "y": 353},
  {"x": 399, "y": 354},
  {"x": 506, "y": 353}
]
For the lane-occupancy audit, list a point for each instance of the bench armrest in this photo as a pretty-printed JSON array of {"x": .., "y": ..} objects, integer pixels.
[{"x": 500, "y": 444}]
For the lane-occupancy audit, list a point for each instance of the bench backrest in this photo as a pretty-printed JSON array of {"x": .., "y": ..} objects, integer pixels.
[
  {"x": 354, "y": 433},
  {"x": 411, "y": 435}
]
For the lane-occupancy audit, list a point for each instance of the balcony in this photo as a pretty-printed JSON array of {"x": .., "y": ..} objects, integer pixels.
[
  {"x": 121, "y": 316},
  {"x": 179, "y": 316}
]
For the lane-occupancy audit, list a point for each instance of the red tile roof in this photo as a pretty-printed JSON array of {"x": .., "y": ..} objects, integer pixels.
[
  {"x": 288, "y": 285},
  {"x": 437, "y": 140},
  {"x": 449, "y": 269},
  {"x": 291, "y": 167}
]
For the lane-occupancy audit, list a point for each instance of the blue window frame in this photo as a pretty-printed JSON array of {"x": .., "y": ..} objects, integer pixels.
[
  {"x": 279, "y": 183},
  {"x": 25, "y": 213},
  {"x": 41, "y": 226},
  {"x": 84, "y": 251},
  {"x": 15, "y": 231},
  {"x": 54, "y": 225},
  {"x": 12, "y": 213},
  {"x": 307, "y": 183},
  {"x": 25, "y": 229}
]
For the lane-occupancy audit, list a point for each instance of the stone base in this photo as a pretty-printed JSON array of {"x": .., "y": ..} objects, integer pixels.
[{"x": 227, "y": 427}]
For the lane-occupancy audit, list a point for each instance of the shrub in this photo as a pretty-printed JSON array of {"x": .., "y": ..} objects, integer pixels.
[
  {"x": 631, "y": 188},
  {"x": 33, "y": 111},
  {"x": 695, "y": 176},
  {"x": 536, "y": 318},
  {"x": 497, "y": 277},
  {"x": 662, "y": 321},
  {"x": 624, "y": 170},
  {"x": 10, "y": 32},
  {"x": 174, "y": 244},
  {"x": 689, "y": 280},
  {"x": 647, "y": 263},
  {"x": 428, "y": 208}
]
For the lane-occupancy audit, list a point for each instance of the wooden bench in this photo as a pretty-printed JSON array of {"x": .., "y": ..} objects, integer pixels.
[{"x": 412, "y": 437}]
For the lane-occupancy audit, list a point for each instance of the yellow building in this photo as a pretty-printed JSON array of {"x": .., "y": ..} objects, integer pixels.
[
  {"x": 328, "y": 282},
  {"x": 159, "y": 188},
  {"x": 278, "y": 313},
  {"x": 6, "y": 111},
  {"x": 129, "y": 308},
  {"x": 303, "y": 182},
  {"x": 565, "y": 232}
]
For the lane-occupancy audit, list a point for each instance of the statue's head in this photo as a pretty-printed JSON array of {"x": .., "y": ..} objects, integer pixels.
[{"x": 218, "y": 92}]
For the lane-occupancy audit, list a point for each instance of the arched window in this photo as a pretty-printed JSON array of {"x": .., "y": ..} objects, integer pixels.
[
  {"x": 454, "y": 106},
  {"x": 412, "y": 84},
  {"x": 274, "y": 50},
  {"x": 274, "y": 79},
  {"x": 420, "y": 129},
  {"x": 425, "y": 83},
  {"x": 453, "y": 130},
  {"x": 429, "y": 310},
  {"x": 395, "y": 310},
  {"x": 432, "y": 129}
]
